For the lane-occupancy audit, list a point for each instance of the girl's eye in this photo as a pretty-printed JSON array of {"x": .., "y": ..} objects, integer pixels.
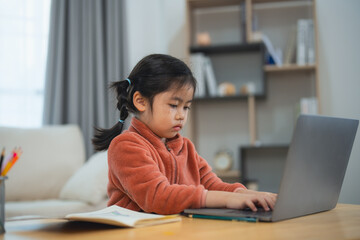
[
  {"x": 173, "y": 105},
  {"x": 187, "y": 107}
]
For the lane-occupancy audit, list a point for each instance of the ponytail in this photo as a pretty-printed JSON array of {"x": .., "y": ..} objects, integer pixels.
[{"x": 103, "y": 137}]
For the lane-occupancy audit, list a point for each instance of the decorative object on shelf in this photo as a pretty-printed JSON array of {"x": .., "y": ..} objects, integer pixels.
[
  {"x": 226, "y": 89},
  {"x": 203, "y": 39},
  {"x": 223, "y": 160},
  {"x": 248, "y": 89}
]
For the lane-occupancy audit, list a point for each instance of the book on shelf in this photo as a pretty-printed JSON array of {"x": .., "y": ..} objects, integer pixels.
[
  {"x": 300, "y": 43},
  {"x": 203, "y": 71},
  {"x": 310, "y": 42},
  {"x": 274, "y": 54},
  {"x": 289, "y": 55},
  {"x": 210, "y": 77},
  {"x": 197, "y": 61},
  {"x": 122, "y": 217},
  {"x": 305, "y": 47},
  {"x": 307, "y": 106}
]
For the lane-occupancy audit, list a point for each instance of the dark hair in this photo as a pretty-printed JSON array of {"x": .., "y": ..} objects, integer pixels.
[{"x": 154, "y": 74}]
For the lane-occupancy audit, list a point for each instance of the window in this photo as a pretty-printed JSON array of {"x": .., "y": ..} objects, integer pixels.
[{"x": 24, "y": 30}]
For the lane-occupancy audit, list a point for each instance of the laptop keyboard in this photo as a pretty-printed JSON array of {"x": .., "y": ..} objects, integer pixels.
[{"x": 249, "y": 213}]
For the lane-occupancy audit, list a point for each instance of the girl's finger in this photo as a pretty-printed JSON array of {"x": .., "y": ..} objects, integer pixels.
[
  {"x": 270, "y": 202},
  {"x": 251, "y": 205},
  {"x": 263, "y": 203}
]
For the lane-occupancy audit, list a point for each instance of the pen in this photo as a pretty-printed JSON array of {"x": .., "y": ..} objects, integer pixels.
[
  {"x": 245, "y": 219},
  {"x": 2, "y": 158}
]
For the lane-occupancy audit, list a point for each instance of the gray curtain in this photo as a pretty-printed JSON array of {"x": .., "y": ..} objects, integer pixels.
[{"x": 85, "y": 55}]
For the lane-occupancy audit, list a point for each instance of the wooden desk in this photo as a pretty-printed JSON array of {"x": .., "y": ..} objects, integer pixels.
[{"x": 341, "y": 223}]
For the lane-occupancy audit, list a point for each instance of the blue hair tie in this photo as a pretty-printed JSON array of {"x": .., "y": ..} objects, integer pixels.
[
  {"x": 121, "y": 121},
  {"x": 128, "y": 81}
]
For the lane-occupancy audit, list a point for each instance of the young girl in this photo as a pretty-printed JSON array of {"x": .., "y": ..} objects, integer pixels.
[{"x": 152, "y": 168}]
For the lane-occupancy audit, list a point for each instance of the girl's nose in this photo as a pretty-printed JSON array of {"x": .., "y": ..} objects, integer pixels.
[{"x": 180, "y": 114}]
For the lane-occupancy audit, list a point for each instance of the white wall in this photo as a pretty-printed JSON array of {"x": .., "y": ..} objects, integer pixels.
[
  {"x": 156, "y": 26},
  {"x": 339, "y": 75}
]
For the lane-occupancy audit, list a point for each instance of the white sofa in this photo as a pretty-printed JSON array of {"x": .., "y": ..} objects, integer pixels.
[{"x": 52, "y": 178}]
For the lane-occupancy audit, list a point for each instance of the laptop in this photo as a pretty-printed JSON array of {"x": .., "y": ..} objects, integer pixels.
[{"x": 313, "y": 175}]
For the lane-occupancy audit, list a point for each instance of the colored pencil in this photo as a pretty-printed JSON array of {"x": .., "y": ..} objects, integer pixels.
[{"x": 15, "y": 156}]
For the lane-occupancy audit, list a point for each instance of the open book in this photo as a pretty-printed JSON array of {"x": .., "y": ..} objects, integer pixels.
[{"x": 118, "y": 216}]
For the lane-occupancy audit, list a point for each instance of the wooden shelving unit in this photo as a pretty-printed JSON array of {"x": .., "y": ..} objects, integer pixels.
[
  {"x": 228, "y": 98},
  {"x": 257, "y": 12},
  {"x": 228, "y": 48},
  {"x": 289, "y": 68}
]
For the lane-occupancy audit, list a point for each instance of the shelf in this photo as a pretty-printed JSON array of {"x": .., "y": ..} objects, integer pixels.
[
  {"x": 213, "y": 3},
  {"x": 264, "y": 146},
  {"x": 228, "y": 98},
  {"x": 222, "y": 3},
  {"x": 277, "y": 1},
  {"x": 288, "y": 68},
  {"x": 228, "y": 48}
]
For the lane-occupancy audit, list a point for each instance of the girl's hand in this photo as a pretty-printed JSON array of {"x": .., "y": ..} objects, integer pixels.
[
  {"x": 240, "y": 199},
  {"x": 270, "y": 198}
]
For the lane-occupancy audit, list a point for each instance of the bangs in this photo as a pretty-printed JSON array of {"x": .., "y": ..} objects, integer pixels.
[{"x": 183, "y": 81}]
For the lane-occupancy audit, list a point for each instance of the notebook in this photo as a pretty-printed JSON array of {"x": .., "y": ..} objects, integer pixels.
[{"x": 313, "y": 175}]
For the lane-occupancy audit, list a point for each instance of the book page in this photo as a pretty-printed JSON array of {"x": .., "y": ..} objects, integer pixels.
[{"x": 119, "y": 216}]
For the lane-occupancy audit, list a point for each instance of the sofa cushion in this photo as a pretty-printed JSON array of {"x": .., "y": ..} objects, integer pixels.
[
  {"x": 89, "y": 183},
  {"x": 51, "y": 155}
]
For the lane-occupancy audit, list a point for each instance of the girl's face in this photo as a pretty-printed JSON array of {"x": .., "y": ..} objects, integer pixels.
[{"x": 169, "y": 111}]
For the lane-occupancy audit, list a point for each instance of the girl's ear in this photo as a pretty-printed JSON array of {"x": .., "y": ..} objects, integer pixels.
[{"x": 140, "y": 102}]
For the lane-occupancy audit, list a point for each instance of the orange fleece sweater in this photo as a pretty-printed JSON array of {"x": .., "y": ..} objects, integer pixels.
[{"x": 148, "y": 175}]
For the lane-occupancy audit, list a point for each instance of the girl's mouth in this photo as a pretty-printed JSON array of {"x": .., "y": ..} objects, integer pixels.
[{"x": 177, "y": 127}]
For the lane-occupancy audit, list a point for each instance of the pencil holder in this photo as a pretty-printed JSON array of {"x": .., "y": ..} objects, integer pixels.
[{"x": 2, "y": 204}]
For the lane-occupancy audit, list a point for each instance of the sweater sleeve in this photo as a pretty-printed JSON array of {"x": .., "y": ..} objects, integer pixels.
[
  {"x": 134, "y": 167},
  {"x": 212, "y": 182}
]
